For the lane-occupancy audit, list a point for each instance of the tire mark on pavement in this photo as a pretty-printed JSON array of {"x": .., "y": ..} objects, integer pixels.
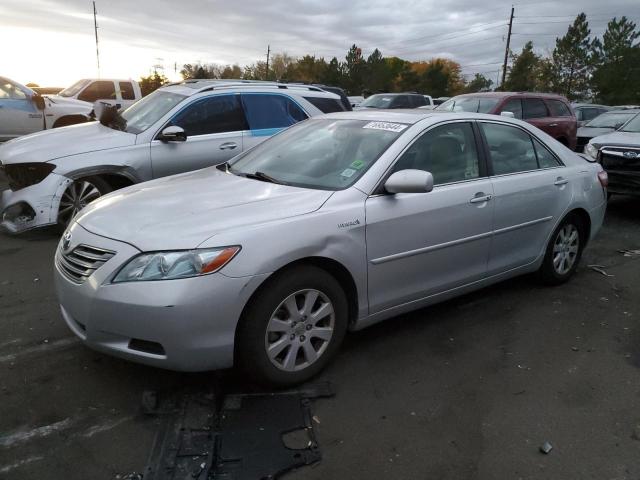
[
  {"x": 40, "y": 348},
  {"x": 19, "y": 463}
]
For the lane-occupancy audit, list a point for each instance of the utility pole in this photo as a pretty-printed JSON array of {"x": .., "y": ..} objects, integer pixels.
[
  {"x": 95, "y": 28},
  {"x": 506, "y": 51},
  {"x": 267, "y": 69}
]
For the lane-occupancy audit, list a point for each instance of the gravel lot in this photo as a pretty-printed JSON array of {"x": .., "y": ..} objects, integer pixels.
[{"x": 467, "y": 389}]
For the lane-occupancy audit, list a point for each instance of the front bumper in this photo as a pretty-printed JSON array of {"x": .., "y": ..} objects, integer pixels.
[
  {"x": 186, "y": 325},
  {"x": 33, "y": 206}
]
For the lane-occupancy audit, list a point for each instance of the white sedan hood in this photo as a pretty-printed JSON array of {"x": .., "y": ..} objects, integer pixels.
[
  {"x": 182, "y": 211},
  {"x": 63, "y": 142}
]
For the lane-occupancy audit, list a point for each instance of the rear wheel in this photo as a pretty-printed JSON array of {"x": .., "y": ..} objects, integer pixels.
[
  {"x": 293, "y": 327},
  {"x": 563, "y": 251},
  {"x": 78, "y": 195}
]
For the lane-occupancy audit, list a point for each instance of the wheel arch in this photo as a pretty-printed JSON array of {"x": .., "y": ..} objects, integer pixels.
[
  {"x": 71, "y": 119},
  {"x": 585, "y": 220}
]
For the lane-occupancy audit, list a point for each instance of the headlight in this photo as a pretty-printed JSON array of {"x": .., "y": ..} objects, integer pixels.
[
  {"x": 176, "y": 264},
  {"x": 591, "y": 150},
  {"x": 22, "y": 175}
]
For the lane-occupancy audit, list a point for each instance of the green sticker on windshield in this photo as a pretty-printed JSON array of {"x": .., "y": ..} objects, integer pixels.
[{"x": 358, "y": 164}]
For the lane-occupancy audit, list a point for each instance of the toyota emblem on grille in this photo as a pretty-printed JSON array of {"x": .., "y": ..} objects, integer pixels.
[
  {"x": 66, "y": 241},
  {"x": 630, "y": 155}
]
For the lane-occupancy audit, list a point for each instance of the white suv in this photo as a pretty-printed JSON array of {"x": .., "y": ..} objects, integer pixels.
[{"x": 182, "y": 127}]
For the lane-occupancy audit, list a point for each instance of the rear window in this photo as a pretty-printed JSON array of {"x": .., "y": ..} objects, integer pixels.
[
  {"x": 558, "y": 108},
  {"x": 326, "y": 105}
]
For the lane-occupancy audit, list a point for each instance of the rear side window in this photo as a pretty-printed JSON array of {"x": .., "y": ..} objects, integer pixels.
[
  {"x": 271, "y": 111},
  {"x": 326, "y": 105},
  {"x": 514, "y": 106},
  {"x": 558, "y": 109},
  {"x": 418, "y": 100},
  {"x": 401, "y": 101},
  {"x": 126, "y": 90},
  {"x": 535, "y": 108},
  {"x": 590, "y": 113},
  {"x": 448, "y": 152},
  {"x": 546, "y": 159},
  {"x": 511, "y": 149},
  {"x": 216, "y": 114},
  {"x": 98, "y": 90}
]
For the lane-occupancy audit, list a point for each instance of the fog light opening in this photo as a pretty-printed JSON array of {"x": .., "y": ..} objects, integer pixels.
[
  {"x": 20, "y": 213},
  {"x": 146, "y": 346}
]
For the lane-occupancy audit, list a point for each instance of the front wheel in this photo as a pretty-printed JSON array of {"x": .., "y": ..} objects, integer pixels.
[
  {"x": 563, "y": 251},
  {"x": 78, "y": 195},
  {"x": 293, "y": 327}
]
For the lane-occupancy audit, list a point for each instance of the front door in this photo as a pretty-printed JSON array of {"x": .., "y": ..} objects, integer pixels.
[
  {"x": 214, "y": 127},
  {"x": 531, "y": 192},
  {"x": 423, "y": 243},
  {"x": 18, "y": 114}
]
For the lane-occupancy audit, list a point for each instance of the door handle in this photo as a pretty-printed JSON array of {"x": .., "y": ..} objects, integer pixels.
[
  {"x": 553, "y": 124},
  {"x": 228, "y": 146},
  {"x": 560, "y": 181},
  {"x": 480, "y": 198}
]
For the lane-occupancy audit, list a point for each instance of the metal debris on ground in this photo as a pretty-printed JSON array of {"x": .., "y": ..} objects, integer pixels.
[
  {"x": 630, "y": 253},
  {"x": 243, "y": 440},
  {"x": 546, "y": 447},
  {"x": 600, "y": 269}
]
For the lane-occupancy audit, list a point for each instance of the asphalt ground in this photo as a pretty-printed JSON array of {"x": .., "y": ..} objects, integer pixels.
[{"x": 468, "y": 389}]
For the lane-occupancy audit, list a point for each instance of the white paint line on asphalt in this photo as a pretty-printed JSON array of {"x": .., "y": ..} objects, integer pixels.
[
  {"x": 91, "y": 431},
  {"x": 43, "y": 347},
  {"x": 23, "y": 435},
  {"x": 20, "y": 463}
]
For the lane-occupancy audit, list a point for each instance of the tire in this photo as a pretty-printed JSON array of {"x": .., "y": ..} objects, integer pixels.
[
  {"x": 563, "y": 251},
  {"x": 79, "y": 194},
  {"x": 268, "y": 322}
]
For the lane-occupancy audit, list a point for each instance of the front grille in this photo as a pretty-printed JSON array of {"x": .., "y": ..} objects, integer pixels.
[
  {"x": 80, "y": 263},
  {"x": 620, "y": 158}
]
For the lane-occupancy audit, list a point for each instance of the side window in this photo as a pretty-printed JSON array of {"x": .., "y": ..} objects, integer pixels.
[
  {"x": 448, "y": 152},
  {"x": 558, "y": 109},
  {"x": 98, "y": 90},
  {"x": 9, "y": 90},
  {"x": 271, "y": 111},
  {"x": 326, "y": 105},
  {"x": 590, "y": 113},
  {"x": 401, "y": 101},
  {"x": 511, "y": 149},
  {"x": 418, "y": 100},
  {"x": 535, "y": 108},
  {"x": 546, "y": 159},
  {"x": 514, "y": 106},
  {"x": 215, "y": 114},
  {"x": 126, "y": 90}
]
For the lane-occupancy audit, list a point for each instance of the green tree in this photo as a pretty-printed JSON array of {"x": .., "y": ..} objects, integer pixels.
[
  {"x": 334, "y": 74},
  {"x": 573, "y": 60},
  {"x": 151, "y": 83},
  {"x": 354, "y": 69},
  {"x": 231, "y": 71},
  {"x": 479, "y": 83},
  {"x": 524, "y": 71},
  {"x": 615, "y": 79},
  {"x": 200, "y": 70}
]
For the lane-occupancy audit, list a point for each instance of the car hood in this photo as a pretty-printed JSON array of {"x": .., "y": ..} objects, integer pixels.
[
  {"x": 58, "y": 100},
  {"x": 63, "y": 142},
  {"x": 618, "y": 138},
  {"x": 182, "y": 211},
  {"x": 590, "y": 132}
]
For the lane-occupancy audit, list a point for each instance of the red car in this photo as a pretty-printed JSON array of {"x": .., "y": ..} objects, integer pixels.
[{"x": 549, "y": 112}]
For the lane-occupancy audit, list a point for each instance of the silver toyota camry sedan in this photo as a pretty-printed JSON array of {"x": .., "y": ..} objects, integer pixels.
[{"x": 337, "y": 223}]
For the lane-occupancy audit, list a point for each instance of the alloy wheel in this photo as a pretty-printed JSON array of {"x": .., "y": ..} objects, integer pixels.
[
  {"x": 77, "y": 195},
  {"x": 300, "y": 330},
  {"x": 565, "y": 249}
]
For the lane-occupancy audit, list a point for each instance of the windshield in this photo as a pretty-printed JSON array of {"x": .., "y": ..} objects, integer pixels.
[
  {"x": 73, "y": 89},
  {"x": 633, "y": 125},
  {"x": 610, "y": 120},
  {"x": 322, "y": 154},
  {"x": 144, "y": 113},
  {"x": 469, "y": 104},
  {"x": 378, "y": 101}
]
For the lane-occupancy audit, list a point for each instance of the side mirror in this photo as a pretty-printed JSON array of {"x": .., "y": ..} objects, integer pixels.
[
  {"x": 507, "y": 114},
  {"x": 409, "y": 181},
  {"x": 38, "y": 101},
  {"x": 173, "y": 133}
]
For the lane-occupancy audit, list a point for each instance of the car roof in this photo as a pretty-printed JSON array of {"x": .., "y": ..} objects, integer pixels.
[
  {"x": 580, "y": 105},
  {"x": 194, "y": 86},
  {"x": 623, "y": 110},
  {"x": 411, "y": 115},
  {"x": 395, "y": 94},
  {"x": 511, "y": 94}
]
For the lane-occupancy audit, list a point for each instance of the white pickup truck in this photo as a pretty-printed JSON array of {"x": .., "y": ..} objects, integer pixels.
[{"x": 24, "y": 111}]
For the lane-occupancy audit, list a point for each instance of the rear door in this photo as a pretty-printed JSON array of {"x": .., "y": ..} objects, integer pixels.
[
  {"x": 531, "y": 191},
  {"x": 268, "y": 114},
  {"x": 214, "y": 127},
  {"x": 419, "y": 244},
  {"x": 563, "y": 121}
]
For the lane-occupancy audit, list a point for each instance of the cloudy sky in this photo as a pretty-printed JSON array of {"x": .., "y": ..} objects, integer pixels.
[{"x": 51, "y": 42}]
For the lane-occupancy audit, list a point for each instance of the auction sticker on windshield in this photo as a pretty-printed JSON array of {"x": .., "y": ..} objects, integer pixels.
[{"x": 390, "y": 127}]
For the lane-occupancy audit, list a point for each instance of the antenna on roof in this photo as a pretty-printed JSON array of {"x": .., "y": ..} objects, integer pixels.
[{"x": 95, "y": 28}]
